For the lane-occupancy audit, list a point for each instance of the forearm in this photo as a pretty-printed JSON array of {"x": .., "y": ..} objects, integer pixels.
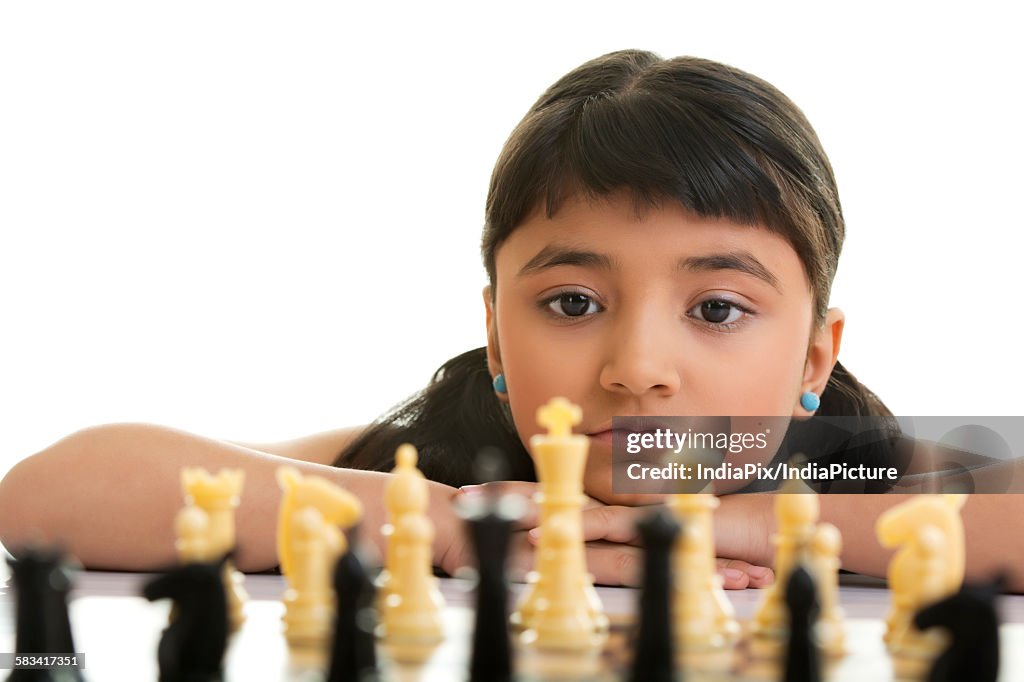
[
  {"x": 993, "y": 534},
  {"x": 111, "y": 493},
  {"x": 993, "y": 526}
]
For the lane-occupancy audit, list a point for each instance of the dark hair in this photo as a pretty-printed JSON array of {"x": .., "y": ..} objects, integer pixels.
[{"x": 720, "y": 142}]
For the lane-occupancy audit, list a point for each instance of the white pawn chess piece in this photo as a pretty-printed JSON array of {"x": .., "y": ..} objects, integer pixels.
[
  {"x": 823, "y": 561},
  {"x": 704, "y": 618},
  {"x": 309, "y": 599},
  {"x": 796, "y": 516}
]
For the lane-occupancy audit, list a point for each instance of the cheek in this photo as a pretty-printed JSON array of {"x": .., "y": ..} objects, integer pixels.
[
  {"x": 761, "y": 377},
  {"x": 537, "y": 370}
]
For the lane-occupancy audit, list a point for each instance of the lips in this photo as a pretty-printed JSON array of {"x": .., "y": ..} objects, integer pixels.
[{"x": 643, "y": 424}]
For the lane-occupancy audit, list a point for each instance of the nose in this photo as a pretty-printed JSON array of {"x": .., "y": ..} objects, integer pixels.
[{"x": 642, "y": 354}]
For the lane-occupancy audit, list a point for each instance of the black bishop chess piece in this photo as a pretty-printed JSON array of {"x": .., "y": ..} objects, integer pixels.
[{"x": 353, "y": 650}]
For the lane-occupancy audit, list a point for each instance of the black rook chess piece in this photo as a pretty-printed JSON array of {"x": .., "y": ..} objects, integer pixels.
[{"x": 42, "y": 580}]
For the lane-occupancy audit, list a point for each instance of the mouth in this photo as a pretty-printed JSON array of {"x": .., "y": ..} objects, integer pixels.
[{"x": 605, "y": 433}]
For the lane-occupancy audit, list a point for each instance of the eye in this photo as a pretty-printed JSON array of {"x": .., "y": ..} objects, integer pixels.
[
  {"x": 571, "y": 304},
  {"x": 717, "y": 312}
]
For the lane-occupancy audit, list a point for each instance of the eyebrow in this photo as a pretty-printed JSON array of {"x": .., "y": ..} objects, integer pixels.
[
  {"x": 741, "y": 261},
  {"x": 551, "y": 256}
]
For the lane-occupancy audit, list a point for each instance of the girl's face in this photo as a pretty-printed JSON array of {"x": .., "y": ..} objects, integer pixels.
[{"x": 665, "y": 313}]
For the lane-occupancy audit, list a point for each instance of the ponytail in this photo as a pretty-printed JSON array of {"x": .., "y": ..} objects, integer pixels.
[
  {"x": 844, "y": 396},
  {"x": 449, "y": 422}
]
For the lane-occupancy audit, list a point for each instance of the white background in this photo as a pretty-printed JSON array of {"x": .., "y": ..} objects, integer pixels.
[{"x": 260, "y": 220}]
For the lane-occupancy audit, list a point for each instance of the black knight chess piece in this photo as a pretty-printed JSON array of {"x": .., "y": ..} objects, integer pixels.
[
  {"x": 969, "y": 615},
  {"x": 192, "y": 646}
]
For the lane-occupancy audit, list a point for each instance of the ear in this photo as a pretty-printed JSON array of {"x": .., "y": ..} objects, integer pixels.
[
  {"x": 822, "y": 355},
  {"x": 493, "y": 350}
]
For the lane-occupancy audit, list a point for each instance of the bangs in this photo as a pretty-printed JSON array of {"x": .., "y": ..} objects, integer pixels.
[
  {"x": 655, "y": 148},
  {"x": 722, "y": 143}
]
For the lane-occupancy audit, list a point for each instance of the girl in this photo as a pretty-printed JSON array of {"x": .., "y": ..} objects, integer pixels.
[{"x": 661, "y": 237}]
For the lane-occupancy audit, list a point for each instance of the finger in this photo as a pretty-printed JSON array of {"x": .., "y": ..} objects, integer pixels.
[
  {"x": 614, "y": 564},
  {"x": 743, "y": 574},
  {"x": 614, "y": 524}
]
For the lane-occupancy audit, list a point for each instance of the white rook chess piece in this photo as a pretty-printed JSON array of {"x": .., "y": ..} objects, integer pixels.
[{"x": 217, "y": 496}]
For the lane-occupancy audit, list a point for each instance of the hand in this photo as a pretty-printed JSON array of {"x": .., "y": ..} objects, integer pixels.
[{"x": 612, "y": 552}]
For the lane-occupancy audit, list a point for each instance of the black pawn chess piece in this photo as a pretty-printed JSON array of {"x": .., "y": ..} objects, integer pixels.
[
  {"x": 490, "y": 520},
  {"x": 42, "y": 581},
  {"x": 353, "y": 652},
  {"x": 969, "y": 616},
  {"x": 490, "y": 529},
  {"x": 654, "y": 659},
  {"x": 803, "y": 660},
  {"x": 192, "y": 646}
]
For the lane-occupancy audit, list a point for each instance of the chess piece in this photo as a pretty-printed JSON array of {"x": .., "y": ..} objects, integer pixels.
[
  {"x": 796, "y": 515},
  {"x": 217, "y": 496},
  {"x": 42, "y": 581},
  {"x": 337, "y": 506},
  {"x": 192, "y": 527},
  {"x": 803, "y": 663},
  {"x": 192, "y": 646},
  {"x": 654, "y": 659},
  {"x": 928, "y": 566},
  {"x": 969, "y": 615},
  {"x": 823, "y": 563},
  {"x": 915, "y": 579},
  {"x": 310, "y": 542},
  {"x": 353, "y": 652},
  {"x": 490, "y": 528},
  {"x": 404, "y": 493},
  {"x": 560, "y": 457},
  {"x": 308, "y": 600},
  {"x": 409, "y": 599},
  {"x": 412, "y": 611},
  {"x": 704, "y": 619}
]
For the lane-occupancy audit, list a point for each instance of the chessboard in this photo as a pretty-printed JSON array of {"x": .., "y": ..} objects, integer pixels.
[{"x": 118, "y": 631}]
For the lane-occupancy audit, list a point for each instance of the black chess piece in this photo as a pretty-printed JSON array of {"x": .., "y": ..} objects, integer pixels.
[
  {"x": 192, "y": 646},
  {"x": 490, "y": 521},
  {"x": 803, "y": 660},
  {"x": 353, "y": 652},
  {"x": 654, "y": 658},
  {"x": 969, "y": 616},
  {"x": 42, "y": 581}
]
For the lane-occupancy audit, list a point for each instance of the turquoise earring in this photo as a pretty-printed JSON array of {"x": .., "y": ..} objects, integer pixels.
[
  {"x": 499, "y": 384},
  {"x": 810, "y": 401}
]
